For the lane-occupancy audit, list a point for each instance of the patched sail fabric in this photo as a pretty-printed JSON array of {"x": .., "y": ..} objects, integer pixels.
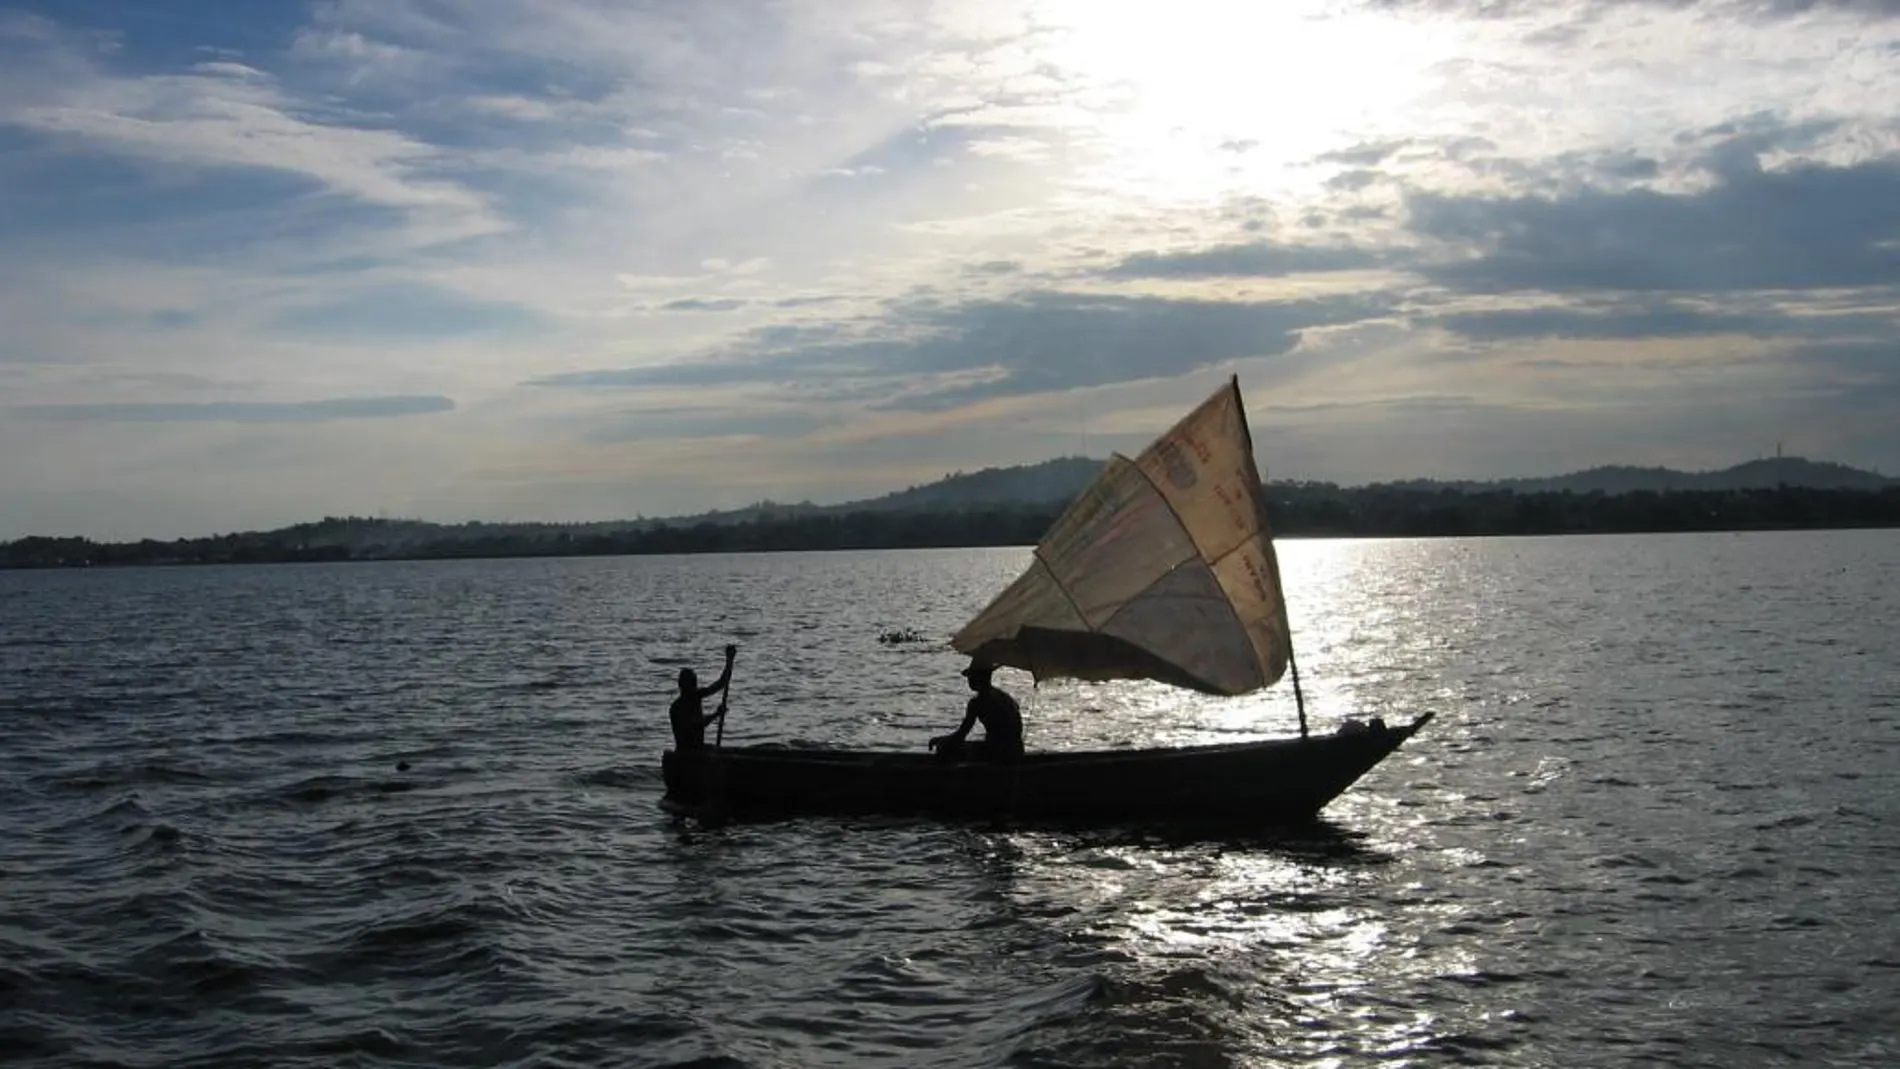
[{"x": 1163, "y": 569}]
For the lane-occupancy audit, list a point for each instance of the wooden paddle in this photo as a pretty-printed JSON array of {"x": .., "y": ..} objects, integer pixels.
[
  {"x": 719, "y": 737},
  {"x": 713, "y": 810}
]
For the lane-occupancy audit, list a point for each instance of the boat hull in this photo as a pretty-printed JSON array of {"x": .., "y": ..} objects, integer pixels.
[{"x": 1275, "y": 782}]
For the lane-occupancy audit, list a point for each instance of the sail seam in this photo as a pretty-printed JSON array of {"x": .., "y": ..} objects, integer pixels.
[
  {"x": 1263, "y": 530},
  {"x": 1181, "y": 522},
  {"x": 1056, "y": 581},
  {"x": 1178, "y": 522},
  {"x": 1036, "y": 555},
  {"x": 1260, "y": 519}
]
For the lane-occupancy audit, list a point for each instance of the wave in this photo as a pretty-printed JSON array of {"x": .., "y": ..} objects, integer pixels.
[
  {"x": 446, "y": 941},
  {"x": 107, "y": 775},
  {"x": 197, "y": 962},
  {"x": 639, "y": 776},
  {"x": 326, "y": 787},
  {"x": 122, "y": 809}
]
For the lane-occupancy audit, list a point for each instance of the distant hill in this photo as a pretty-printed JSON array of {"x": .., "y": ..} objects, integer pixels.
[
  {"x": 1795, "y": 472},
  {"x": 1014, "y": 505},
  {"x": 1023, "y": 484},
  {"x": 1053, "y": 482},
  {"x": 1063, "y": 478},
  {"x": 1027, "y": 484}
]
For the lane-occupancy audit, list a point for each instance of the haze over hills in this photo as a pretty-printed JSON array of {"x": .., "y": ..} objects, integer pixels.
[
  {"x": 1023, "y": 484},
  {"x": 1765, "y": 474},
  {"x": 1014, "y": 505},
  {"x": 1064, "y": 477}
]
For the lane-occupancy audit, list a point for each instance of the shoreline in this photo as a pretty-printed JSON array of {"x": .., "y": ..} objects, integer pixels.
[{"x": 453, "y": 553}]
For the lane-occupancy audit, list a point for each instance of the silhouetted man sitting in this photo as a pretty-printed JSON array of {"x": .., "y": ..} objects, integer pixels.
[
  {"x": 999, "y": 714},
  {"x": 690, "y": 718}
]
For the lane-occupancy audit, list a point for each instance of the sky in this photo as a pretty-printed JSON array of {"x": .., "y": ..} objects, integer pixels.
[{"x": 264, "y": 261}]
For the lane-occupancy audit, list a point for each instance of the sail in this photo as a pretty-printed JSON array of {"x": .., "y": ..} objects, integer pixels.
[{"x": 1163, "y": 569}]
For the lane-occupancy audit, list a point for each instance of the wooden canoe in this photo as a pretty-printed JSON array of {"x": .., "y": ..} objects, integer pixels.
[{"x": 1282, "y": 781}]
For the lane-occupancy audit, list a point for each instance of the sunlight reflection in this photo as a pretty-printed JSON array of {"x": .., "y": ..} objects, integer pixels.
[
  {"x": 1270, "y": 939},
  {"x": 1356, "y": 608}
]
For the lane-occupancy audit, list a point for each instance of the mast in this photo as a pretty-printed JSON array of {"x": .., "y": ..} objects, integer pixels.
[{"x": 1292, "y": 662}]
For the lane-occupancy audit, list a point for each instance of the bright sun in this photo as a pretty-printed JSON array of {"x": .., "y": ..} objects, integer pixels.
[{"x": 1198, "y": 99}]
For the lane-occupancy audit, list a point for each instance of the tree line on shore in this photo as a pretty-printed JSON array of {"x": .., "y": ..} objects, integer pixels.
[{"x": 1295, "y": 510}]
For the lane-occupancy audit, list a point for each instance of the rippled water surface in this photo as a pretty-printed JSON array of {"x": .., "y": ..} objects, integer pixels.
[{"x": 1655, "y": 821}]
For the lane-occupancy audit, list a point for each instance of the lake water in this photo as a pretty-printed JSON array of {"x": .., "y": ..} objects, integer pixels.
[{"x": 1657, "y": 820}]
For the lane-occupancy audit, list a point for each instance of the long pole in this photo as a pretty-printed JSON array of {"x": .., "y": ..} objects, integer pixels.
[
  {"x": 1273, "y": 559},
  {"x": 1299, "y": 699},
  {"x": 713, "y": 809},
  {"x": 725, "y": 696}
]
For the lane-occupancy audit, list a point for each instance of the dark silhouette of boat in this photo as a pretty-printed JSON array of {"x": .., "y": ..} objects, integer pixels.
[
  {"x": 1279, "y": 781},
  {"x": 1162, "y": 569}
]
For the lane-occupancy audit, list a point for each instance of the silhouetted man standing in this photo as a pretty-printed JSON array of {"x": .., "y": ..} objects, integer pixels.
[{"x": 690, "y": 718}]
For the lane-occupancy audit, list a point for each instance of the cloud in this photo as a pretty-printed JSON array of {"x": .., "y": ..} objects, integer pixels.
[
  {"x": 927, "y": 355},
  {"x": 244, "y": 411},
  {"x": 697, "y": 421},
  {"x": 172, "y": 319},
  {"x": 1256, "y": 260},
  {"x": 707, "y": 304},
  {"x": 1622, "y": 320},
  {"x": 1370, "y": 154},
  {"x": 230, "y": 115},
  {"x": 1806, "y": 226},
  {"x": 1757, "y": 9},
  {"x": 692, "y": 374},
  {"x": 397, "y": 311},
  {"x": 1355, "y": 180}
]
